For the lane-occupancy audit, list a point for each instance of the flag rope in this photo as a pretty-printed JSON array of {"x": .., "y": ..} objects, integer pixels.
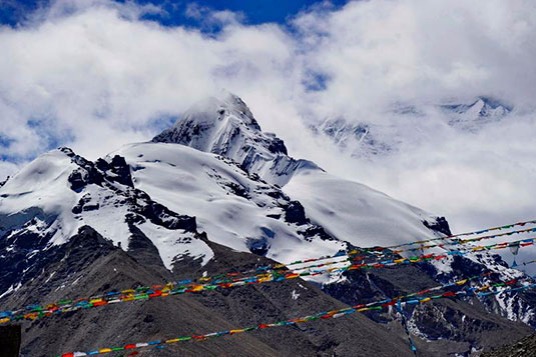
[
  {"x": 508, "y": 226},
  {"x": 33, "y": 312},
  {"x": 483, "y": 291},
  {"x": 442, "y": 245}
]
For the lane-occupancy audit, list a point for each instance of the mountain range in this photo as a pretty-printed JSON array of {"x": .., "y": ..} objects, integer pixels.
[
  {"x": 362, "y": 138},
  {"x": 213, "y": 194}
]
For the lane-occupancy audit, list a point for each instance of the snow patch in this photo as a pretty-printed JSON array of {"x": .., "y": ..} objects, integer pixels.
[
  {"x": 11, "y": 289},
  {"x": 171, "y": 243}
]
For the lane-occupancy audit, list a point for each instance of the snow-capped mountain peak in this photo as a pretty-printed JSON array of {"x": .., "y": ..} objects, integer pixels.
[
  {"x": 208, "y": 120},
  {"x": 403, "y": 127},
  {"x": 225, "y": 126},
  {"x": 476, "y": 114},
  {"x": 481, "y": 106}
]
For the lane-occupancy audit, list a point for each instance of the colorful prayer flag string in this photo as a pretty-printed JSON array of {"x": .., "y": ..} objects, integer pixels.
[
  {"x": 485, "y": 230},
  {"x": 476, "y": 291},
  {"x": 453, "y": 243},
  {"x": 34, "y": 312}
]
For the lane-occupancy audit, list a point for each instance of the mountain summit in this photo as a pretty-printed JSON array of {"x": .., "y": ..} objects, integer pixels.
[
  {"x": 481, "y": 107},
  {"x": 225, "y": 126}
]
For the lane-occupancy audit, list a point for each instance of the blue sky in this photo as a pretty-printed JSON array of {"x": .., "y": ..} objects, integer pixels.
[{"x": 12, "y": 12}]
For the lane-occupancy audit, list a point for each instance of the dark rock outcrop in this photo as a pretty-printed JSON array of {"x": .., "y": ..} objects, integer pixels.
[
  {"x": 442, "y": 328},
  {"x": 525, "y": 347},
  {"x": 439, "y": 225},
  {"x": 10, "y": 340}
]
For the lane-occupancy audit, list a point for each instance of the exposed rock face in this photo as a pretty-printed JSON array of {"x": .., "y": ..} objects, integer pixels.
[
  {"x": 28, "y": 237},
  {"x": 115, "y": 176},
  {"x": 2, "y": 183},
  {"x": 18, "y": 264},
  {"x": 440, "y": 225},
  {"x": 10, "y": 340},
  {"x": 442, "y": 328},
  {"x": 525, "y": 347}
]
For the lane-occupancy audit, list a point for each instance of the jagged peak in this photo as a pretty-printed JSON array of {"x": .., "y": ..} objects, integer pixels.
[
  {"x": 67, "y": 151},
  {"x": 492, "y": 103},
  {"x": 481, "y": 105},
  {"x": 218, "y": 107},
  {"x": 212, "y": 124},
  {"x": 224, "y": 125}
]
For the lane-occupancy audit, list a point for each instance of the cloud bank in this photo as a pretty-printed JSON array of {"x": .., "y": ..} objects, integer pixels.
[{"x": 93, "y": 75}]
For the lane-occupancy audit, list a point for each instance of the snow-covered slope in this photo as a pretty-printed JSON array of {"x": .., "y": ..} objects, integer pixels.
[
  {"x": 217, "y": 167},
  {"x": 363, "y": 140},
  {"x": 233, "y": 207},
  {"x": 215, "y": 171},
  {"x": 476, "y": 114},
  {"x": 39, "y": 191},
  {"x": 60, "y": 192},
  {"x": 356, "y": 213}
]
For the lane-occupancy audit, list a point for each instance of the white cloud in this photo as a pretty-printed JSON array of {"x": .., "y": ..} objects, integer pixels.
[
  {"x": 7, "y": 169},
  {"x": 92, "y": 75},
  {"x": 381, "y": 50},
  {"x": 208, "y": 17}
]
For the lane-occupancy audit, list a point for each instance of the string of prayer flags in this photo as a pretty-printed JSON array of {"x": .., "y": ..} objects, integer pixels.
[
  {"x": 482, "y": 231},
  {"x": 477, "y": 291},
  {"x": 34, "y": 312},
  {"x": 453, "y": 243}
]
